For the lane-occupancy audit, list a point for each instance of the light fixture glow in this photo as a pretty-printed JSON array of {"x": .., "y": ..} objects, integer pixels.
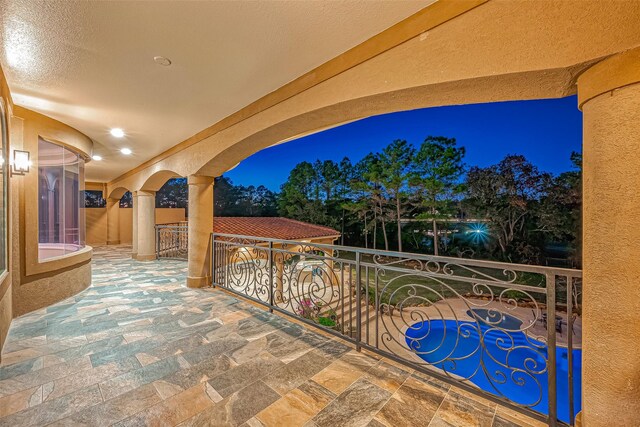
[
  {"x": 125, "y": 151},
  {"x": 117, "y": 132},
  {"x": 21, "y": 162},
  {"x": 479, "y": 233},
  {"x": 96, "y": 158}
]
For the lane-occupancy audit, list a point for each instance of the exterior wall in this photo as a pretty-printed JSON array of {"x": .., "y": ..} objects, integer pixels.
[
  {"x": 169, "y": 215},
  {"x": 96, "y": 219},
  {"x": 44, "y": 290},
  {"x": 38, "y": 284},
  {"x": 126, "y": 226},
  {"x": 97, "y": 223},
  {"x": 6, "y": 294}
]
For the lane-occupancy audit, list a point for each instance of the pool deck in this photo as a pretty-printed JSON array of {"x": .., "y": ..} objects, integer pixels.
[{"x": 139, "y": 348}]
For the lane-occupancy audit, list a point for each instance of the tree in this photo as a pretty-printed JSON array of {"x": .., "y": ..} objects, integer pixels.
[
  {"x": 559, "y": 213},
  {"x": 395, "y": 169},
  {"x": 436, "y": 178},
  {"x": 94, "y": 199},
  {"x": 505, "y": 194},
  {"x": 300, "y": 195},
  {"x": 173, "y": 194},
  {"x": 373, "y": 178},
  {"x": 225, "y": 197}
]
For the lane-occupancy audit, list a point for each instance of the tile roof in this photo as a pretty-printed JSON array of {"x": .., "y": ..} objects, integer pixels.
[{"x": 271, "y": 227}]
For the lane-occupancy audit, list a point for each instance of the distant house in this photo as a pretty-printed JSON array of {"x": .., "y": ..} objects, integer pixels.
[
  {"x": 275, "y": 228},
  {"x": 296, "y": 267}
]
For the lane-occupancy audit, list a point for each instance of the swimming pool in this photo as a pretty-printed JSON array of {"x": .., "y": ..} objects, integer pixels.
[{"x": 516, "y": 374}]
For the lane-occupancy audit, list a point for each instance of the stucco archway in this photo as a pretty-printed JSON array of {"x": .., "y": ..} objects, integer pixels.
[
  {"x": 158, "y": 179},
  {"x": 117, "y": 193}
]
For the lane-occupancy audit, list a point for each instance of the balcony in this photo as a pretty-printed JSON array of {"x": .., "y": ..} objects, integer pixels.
[{"x": 138, "y": 347}]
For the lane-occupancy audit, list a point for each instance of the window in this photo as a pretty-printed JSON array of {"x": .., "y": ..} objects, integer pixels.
[
  {"x": 4, "y": 182},
  {"x": 61, "y": 200},
  {"x": 126, "y": 201},
  {"x": 94, "y": 199}
]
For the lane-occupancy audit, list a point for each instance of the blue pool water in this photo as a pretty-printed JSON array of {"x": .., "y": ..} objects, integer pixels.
[{"x": 454, "y": 346}]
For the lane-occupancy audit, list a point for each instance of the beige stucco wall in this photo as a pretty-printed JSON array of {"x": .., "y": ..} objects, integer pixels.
[
  {"x": 97, "y": 223},
  {"x": 169, "y": 215},
  {"x": 126, "y": 225},
  {"x": 49, "y": 288},
  {"x": 36, "y": 284},
  {"x": 6, "y": 294},
  {"x": 96, "y": 220}
]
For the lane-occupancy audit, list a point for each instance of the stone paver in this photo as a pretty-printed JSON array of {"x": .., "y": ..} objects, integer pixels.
[{"x": 139, "y": 348}]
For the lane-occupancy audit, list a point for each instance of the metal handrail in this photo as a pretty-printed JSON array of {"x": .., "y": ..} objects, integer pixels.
[
  {"x": 374, "y": 298},
  {"x": 469, "y": 261}
]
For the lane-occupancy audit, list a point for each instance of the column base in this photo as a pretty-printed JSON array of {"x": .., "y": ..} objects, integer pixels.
[
  {"x": 198, "y": 282},
  {"x": 139, "y": 257},
  {"x": 113, "y": 242}
]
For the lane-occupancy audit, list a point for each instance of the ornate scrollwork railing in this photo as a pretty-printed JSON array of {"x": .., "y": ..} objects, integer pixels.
[
  {"x": 172, "y": 240},
  {"x": 507, "y": 331}
]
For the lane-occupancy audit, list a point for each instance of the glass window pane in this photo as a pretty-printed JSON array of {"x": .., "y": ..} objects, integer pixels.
[
  {"x": 61, "y": 179},
  {"x": 71, "y": 205}
]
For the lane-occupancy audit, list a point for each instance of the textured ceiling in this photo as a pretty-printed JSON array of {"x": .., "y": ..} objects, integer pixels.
[{"x": 90, "y": 64}]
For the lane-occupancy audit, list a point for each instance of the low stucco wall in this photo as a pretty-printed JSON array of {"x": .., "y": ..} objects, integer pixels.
[
  {"x": 5, "y": 316},
  {"x": 96, "y": 220},
  {"x": 50, "y": 289}
]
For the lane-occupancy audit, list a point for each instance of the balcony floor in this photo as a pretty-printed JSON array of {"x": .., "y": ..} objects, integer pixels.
[{"x": 139, "y": 348}]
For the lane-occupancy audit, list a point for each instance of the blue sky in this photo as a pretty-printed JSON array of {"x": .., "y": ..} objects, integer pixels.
[{"x": 544, "y": 131}]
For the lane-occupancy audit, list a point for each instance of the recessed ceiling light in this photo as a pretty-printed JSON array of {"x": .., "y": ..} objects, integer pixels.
[
  {"x": 126, "y": 151},
  {"x": 161, "y": 60},
  {"x": 96, "y": 158},
  {"x": 117, "y": 132}
]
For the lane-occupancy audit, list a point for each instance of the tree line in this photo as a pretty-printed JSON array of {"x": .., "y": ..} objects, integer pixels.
[
  {"x": 420, "y": 199},
  {"x": 426, "y": 199}
]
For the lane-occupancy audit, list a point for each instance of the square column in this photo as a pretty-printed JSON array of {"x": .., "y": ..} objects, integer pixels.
[
  {"x": 200, "y": 229},
  {"x": 145, "y": 227}
]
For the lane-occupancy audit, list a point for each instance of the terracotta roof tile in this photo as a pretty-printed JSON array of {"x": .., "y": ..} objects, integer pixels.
[{"x": 271, "y": 227}]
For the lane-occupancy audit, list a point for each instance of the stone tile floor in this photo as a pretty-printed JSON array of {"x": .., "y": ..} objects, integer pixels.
[{"x": 139, "y": 348}]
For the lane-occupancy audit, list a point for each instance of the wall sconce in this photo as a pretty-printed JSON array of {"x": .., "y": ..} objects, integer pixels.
[{"x": 20, "y": 163}]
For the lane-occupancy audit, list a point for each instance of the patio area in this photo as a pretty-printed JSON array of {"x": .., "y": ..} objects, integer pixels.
[{"x": 140, "y": 348}]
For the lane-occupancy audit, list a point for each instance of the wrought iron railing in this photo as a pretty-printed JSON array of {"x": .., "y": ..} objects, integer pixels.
[
  {"x": 509, "y": 332},
  {"x": 172, "y": 240}
]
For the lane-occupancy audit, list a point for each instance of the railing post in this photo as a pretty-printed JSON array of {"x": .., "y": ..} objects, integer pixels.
[
  {"x": 213, "y": 260},
  {"x": 157, "y": 242},
  {"x": 551, "y": 349},
  {"x": 570, "y": 347},
  {"x": 270, "y": 263},
  {"x": 358, "y": 304}
]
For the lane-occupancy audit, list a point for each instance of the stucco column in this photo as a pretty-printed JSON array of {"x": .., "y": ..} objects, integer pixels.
[
  {"x": 609, "y": 96},
  {"x": 113, "y": 221},
  {"x": 200, "y": 229},
  {"x": 134, "y": 225},
  {"x": 146, "y": 214}
]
